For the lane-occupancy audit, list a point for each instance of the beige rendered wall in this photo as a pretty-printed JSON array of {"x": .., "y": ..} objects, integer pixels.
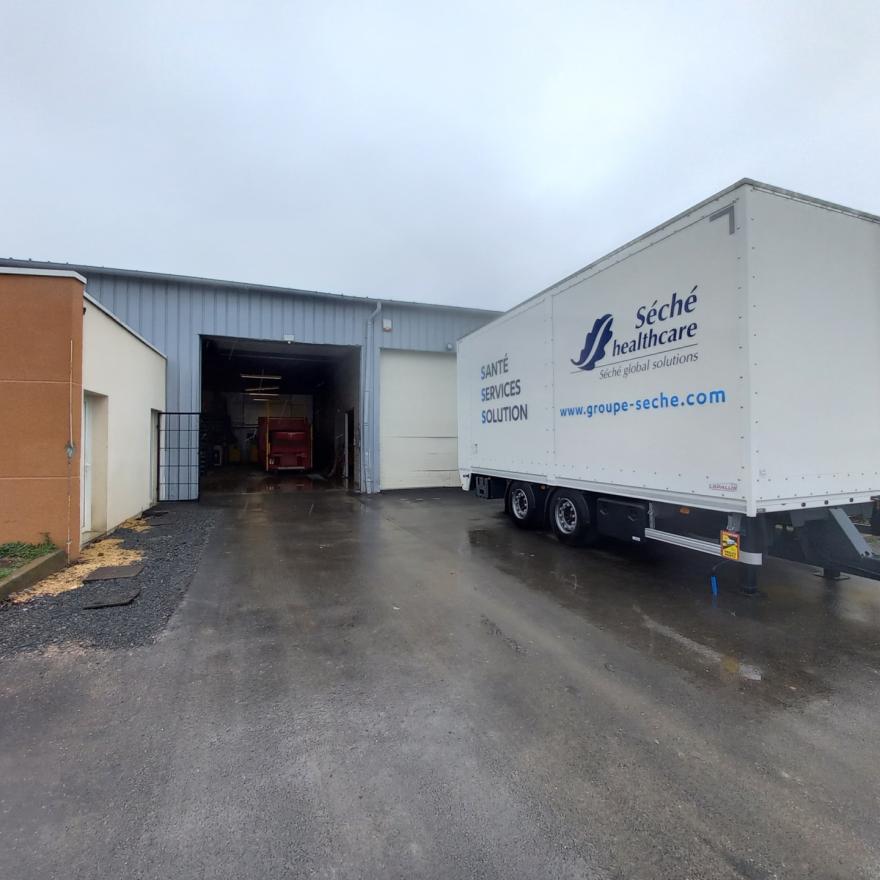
[
  {"x": 41, "y": 406},
  {"x": 127, "y": 379}
]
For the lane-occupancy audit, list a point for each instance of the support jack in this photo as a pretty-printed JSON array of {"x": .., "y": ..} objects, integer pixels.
[{"x": 750, "y": 581}]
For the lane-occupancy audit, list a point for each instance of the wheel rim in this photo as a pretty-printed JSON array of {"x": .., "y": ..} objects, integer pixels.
[
  {"x": 566, "y": 516},
  {"x": 519, "y": 503}
]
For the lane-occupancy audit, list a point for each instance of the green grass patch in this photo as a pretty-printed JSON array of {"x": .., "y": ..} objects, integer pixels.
[{"x": 14, "y": 554}]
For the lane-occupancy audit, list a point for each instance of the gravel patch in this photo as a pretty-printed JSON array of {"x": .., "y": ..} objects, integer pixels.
[{"x": 171, "y": 547}]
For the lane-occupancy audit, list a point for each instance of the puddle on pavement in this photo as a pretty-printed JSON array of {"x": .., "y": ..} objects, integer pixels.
[
  {"x": 723, "y": 662},
  {"x": 246, "y": 480},
  {"x": 788, "y": 645}
]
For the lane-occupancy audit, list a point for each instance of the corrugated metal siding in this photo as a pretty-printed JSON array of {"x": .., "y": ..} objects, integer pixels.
[
  {"x": 172, "y": 315},
  {"x": 426, "y": 329}
]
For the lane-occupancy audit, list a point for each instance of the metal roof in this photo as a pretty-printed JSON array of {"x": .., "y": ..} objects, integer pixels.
[{"x": 169, "y": 278}]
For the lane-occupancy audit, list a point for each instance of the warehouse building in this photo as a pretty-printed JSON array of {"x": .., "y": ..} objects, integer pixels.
[{"x": 371, "y": 382}]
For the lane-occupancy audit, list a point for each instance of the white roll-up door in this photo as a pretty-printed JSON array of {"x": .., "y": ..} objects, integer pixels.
[{"x": 417, "y": 423}]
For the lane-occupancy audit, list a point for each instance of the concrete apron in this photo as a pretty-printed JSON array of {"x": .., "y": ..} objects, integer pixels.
[{"x": 408, "y": 686}]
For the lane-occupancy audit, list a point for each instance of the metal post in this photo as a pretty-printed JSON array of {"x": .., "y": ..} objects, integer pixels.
[
  {"x": 368, "y": 444},
  {"x": 159, "y": 456}
]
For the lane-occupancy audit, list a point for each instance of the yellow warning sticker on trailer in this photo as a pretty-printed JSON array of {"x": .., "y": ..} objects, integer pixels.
[{"x": 729, "y": 544}]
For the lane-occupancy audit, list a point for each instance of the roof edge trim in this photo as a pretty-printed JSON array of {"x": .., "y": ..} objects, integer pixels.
[{"x": 42, "y": 273}]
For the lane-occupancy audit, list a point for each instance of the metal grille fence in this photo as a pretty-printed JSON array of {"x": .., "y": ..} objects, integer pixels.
[{"x": 179, "y": 456}]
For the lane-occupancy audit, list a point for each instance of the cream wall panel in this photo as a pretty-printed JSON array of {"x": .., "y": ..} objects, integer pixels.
[
  {"x": 418, "y": 421},
  {"x": 131, "y": 376}
]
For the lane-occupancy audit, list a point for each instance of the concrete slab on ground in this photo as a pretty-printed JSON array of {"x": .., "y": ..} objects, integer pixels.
[{"x": 407, "y": 686}]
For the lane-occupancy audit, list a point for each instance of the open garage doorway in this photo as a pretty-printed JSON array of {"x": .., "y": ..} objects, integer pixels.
[{"x": 278, "y": 416}]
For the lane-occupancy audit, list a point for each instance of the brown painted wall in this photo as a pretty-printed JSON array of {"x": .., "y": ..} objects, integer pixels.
[{"x": 40, "y": 408}]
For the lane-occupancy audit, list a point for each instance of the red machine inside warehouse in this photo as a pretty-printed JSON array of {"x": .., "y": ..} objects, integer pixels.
[{"x": 285, "y": 444}]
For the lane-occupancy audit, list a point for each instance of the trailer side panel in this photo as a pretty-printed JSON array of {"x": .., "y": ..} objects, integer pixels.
[
  {"x": 814, "y": 346},
  {"x": 650, "y": 370}
]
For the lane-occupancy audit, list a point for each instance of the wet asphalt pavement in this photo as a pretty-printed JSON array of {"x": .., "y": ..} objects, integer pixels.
[{"x": 407, "y": 686}]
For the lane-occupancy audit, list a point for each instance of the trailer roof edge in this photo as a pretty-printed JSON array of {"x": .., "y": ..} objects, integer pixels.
[{"x": 745, "y": 181}]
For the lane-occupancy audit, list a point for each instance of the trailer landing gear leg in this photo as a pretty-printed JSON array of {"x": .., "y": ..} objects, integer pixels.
[
  {"x": 750, "y": 580},
  {"x": 831, "y": 574},
  {"x": 875, "y": 519},
  {"x": 752, "y": 542}
]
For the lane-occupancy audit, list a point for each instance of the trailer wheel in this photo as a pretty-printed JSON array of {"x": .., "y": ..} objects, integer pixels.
[
  {"x": 523, "y": 505},
  {"x": 571, "y": 518}
]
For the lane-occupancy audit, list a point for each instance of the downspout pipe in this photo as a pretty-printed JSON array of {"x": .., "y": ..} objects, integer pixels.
[{"x": 368, "y": 439}]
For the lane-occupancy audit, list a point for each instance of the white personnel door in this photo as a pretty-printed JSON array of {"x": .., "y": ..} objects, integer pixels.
[
  {"x": 86, "y": 456},
  {"x": 418, "y": 430}
]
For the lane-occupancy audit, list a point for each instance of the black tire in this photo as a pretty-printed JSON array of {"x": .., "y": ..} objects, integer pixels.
[
  {"x": 523, "y": 505},
  {"x": 572, "y": 518}
]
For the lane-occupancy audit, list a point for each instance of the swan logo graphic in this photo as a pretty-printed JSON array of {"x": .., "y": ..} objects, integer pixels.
[{"x": 594, "y": 345}]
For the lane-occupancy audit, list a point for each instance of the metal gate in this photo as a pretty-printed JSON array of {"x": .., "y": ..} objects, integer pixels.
[{"x": 179, "y": 461}]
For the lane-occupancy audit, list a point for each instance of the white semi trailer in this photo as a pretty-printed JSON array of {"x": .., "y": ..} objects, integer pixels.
[{"x": 714, "y": 384}]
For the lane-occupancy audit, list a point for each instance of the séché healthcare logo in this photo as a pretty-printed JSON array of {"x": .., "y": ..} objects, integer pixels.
[
  {"x": 594, "y": 345},
  {"x": 656, "y": 327}
]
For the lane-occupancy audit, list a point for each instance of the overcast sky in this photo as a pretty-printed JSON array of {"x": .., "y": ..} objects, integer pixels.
[{"x": 458, "y": 153}]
